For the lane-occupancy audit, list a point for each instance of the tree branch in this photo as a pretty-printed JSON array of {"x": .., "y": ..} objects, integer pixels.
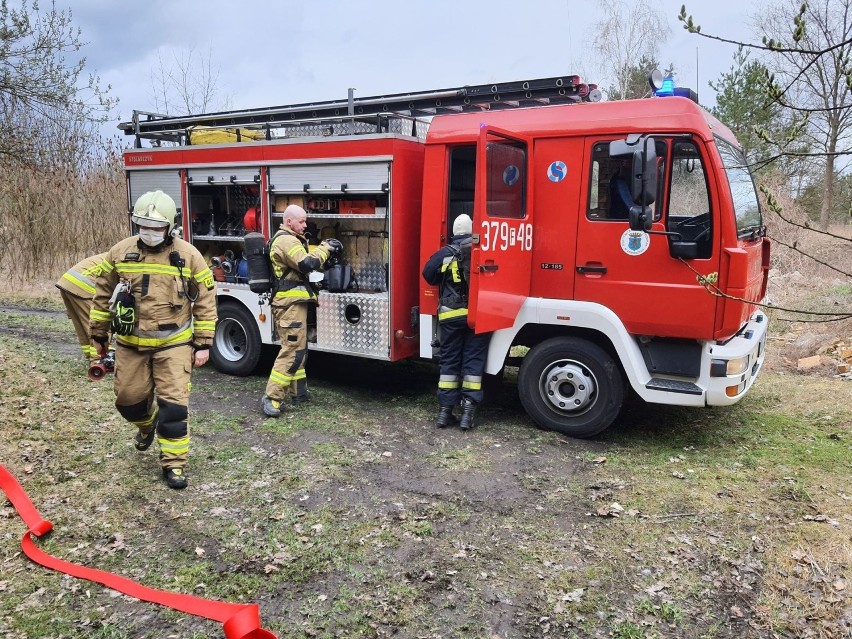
[
  {"x": 715, "y": 291},
  {"x": 793, "y": 247},
  {"x": 772, "y": 203},
  {"x": 690, "y": 26}
]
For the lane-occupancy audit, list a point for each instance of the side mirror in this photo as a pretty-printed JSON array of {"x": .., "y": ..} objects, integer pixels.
[
  {"x": 640, "y": 218},
  {"x": 644, "y": 184},
  {"x": 643, "y": 178},
  {"x": 685, "y": 250}
]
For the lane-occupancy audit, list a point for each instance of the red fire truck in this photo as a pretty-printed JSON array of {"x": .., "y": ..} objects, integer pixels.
[{"x": 617, "y": 245}]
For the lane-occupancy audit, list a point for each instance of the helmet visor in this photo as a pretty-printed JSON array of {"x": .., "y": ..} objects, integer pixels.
[{"x": 150, "y": 220}]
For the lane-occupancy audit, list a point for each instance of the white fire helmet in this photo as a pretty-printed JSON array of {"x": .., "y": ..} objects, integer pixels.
[{"x": 155, "y": 208}]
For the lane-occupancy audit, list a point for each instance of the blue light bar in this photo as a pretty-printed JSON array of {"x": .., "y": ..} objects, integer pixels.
[{"x": 668, "y": 87}]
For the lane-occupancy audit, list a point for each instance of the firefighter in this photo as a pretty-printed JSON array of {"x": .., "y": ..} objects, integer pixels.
[
  {"x": 77, "y": 288},
  {"x": 463, "y": 352},
  {"x": 157, "y": 295},
  {"x": 291, "y": 266}
]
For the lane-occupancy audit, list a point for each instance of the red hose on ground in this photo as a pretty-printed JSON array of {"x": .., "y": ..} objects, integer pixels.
[{"x": 241, "y": 621}]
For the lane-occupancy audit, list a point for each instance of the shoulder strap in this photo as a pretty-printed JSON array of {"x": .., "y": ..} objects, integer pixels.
[
  {"x": 287, "y": 269},
  {"x": 457, "y": 255}
]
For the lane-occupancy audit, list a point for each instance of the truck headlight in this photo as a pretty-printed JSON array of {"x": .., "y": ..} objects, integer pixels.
[{"x": 727, "y": 367}]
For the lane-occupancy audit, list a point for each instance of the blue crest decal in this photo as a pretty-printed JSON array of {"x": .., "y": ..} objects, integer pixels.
[
  {"x": 511, "y": 175},
  {"x": 635, "y": 242},
  {"x": 557, "y": 171}
]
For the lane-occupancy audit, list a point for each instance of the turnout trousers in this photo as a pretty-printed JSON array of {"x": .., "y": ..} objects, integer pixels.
[
  {"x": 288, "y": 375},
  {"x": 78, "y": 312},
  {"x": 463, "y": 354},
  {"x": 152, "y": 391}
]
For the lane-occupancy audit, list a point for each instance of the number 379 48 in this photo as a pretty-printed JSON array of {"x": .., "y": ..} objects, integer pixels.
[{"x": 500, "y": 236}]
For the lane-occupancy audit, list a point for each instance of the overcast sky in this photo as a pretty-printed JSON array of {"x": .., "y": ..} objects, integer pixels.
[{"x": 275, "y": 53}]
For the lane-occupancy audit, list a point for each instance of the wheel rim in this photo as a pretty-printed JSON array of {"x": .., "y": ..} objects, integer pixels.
[
  {"x": 567, "y": 387},
  {"x": 231, "y": 339}
]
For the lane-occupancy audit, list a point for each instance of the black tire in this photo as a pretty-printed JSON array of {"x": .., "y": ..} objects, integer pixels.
[
  {"x": 572, "y": 386},
  {"x": 236, "y": 344}
]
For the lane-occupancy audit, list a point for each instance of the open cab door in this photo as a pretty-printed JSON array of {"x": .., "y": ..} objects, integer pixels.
[{"x": 501, "y": 256}]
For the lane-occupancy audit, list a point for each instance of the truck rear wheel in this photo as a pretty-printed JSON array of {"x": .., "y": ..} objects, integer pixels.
[
  {"x": 236, "y": 344},
  {"x": 571, "y": 386}
]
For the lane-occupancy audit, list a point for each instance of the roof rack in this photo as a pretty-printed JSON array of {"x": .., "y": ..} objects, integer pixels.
[{"x": 556, "y": 90}]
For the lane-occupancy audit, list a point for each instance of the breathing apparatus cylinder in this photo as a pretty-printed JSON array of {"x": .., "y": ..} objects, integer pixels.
[
  {"x": 259, "y": 268},
  {"x": 242, "y": 270}
]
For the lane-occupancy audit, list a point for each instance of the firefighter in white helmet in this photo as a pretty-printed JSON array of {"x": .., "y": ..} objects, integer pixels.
[
  {"x": 463, "y": 351},
  {"x": 157, "y": 295},
  {"x": 291, "y": 265}
]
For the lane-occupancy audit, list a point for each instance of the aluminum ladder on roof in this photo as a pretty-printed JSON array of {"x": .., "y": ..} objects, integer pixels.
[{"x": 524, "y": 93}]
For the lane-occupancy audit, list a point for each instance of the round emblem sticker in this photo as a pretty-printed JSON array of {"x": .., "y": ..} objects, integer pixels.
[
  {"x": 635, "y": 242},
  {"x": 557, "y": 171},
  {"x": 511, "y": 175}
]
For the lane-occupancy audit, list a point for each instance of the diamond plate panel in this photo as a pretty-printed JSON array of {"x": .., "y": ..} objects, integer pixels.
[
  {"x": 399, "y": 124},
  {"x": 365, "y": 248},
  {"x": 355, "y": 323}
]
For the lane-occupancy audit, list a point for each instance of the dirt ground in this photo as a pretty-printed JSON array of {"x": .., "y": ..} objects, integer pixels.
[{"x": 357, "y": 518}]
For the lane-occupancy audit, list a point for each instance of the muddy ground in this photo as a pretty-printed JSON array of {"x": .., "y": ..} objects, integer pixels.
[{"x": 407, "y": 531}]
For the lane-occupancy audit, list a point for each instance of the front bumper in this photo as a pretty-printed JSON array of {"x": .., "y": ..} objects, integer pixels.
[{"x": 747, "y": 349}]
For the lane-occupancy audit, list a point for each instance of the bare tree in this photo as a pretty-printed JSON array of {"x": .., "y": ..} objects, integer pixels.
[
  {"x": 817, "y": 85},
  {"x": 40, "y": 87},
  {"x": 625, "y": 36},
  {"x": 810, "y": 56},
  {"x": 187, "y": 83},
  {"x": 812, "y": 85}
]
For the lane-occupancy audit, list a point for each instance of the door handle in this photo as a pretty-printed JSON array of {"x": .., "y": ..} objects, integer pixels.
[
  {"x": 487, "y": 268},
  {"x": 591, "y": 269}
]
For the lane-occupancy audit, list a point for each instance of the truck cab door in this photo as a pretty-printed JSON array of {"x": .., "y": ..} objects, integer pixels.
[
  {"x": 501, "y": 258},
  {"x": 640, "y": 276}
]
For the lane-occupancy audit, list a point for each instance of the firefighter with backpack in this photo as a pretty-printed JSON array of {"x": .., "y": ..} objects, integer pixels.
[
  {"x": 156, "y": 294},
  {"x": 463, "y": 352},
  {"x": 293, "y": 292}
]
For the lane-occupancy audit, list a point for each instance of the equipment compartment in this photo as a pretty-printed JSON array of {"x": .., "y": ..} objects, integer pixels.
[{"x": 354, "y": 323}]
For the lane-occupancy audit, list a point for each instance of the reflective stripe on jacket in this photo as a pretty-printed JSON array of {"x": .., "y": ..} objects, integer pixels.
[
  {"x": 80, "y": 279},
  {"x": 165, "y": 316},
  {"x": 443, "y": 269},
  {"x": 291, "y": 264}
]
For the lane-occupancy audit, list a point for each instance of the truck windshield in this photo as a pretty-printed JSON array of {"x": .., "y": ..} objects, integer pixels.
[{"x": 746, "y": 205}]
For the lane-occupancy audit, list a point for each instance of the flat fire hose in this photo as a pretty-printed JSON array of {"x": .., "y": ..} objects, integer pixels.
[{"x": 241, "y": 621}]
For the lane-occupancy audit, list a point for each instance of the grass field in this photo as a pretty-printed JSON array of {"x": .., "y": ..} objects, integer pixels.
[{"x": 356, "y": 518}]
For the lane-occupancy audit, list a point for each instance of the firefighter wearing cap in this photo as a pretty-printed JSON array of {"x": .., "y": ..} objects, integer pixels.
[
  {"x": 291, "y": 265},
  {"x": 463, "y": 352},
  {"x": 77, "y": 288},
  {"x": 157, "y": 295}
]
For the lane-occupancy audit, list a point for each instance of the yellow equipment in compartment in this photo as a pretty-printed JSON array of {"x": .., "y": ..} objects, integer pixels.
[{"x": 211, "y": 135}]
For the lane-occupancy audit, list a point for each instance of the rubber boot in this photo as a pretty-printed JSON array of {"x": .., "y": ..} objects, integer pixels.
[
  {"x": 271, "y": 407},
  {"x": 143, "y": 441},
  {"x": 445, "y": 417},
  {"x": 468, "y": 414},
  {"x": 175, "y": 478},
  {"x": 304, "y": 398}
]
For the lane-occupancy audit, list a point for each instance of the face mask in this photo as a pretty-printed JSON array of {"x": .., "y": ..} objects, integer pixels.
[{"x": 151, "y": 238}]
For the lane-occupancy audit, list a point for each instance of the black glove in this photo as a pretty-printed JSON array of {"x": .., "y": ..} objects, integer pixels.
[
  {"x": 335, "y": 246},
  {"x": 124, "y": 317}
]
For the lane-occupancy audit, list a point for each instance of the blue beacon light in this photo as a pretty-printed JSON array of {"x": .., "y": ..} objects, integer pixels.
[{"x": 667, "y": 88}]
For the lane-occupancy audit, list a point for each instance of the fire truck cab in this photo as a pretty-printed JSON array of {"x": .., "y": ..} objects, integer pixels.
[{"x": 618, "y": 246}]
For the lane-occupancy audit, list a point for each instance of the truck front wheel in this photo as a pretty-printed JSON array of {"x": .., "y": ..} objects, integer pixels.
[
  {"x": 571, "y": 386},
  {"x": 236, "y": 344}
]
